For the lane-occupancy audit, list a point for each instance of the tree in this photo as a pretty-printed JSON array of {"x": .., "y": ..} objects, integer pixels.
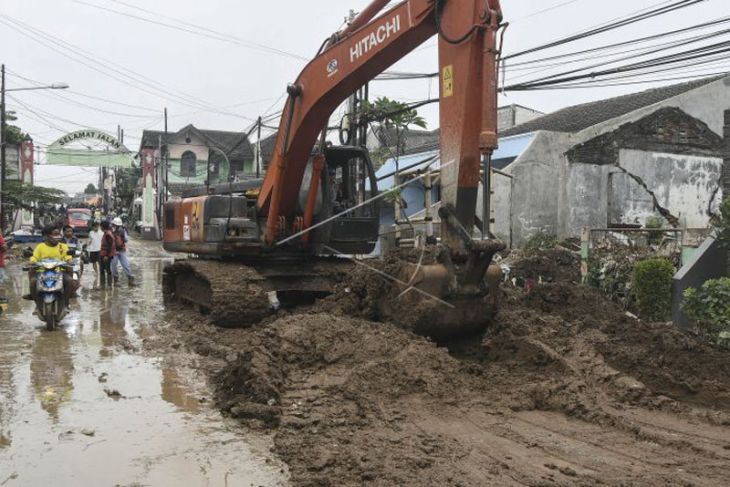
[
  {"x": 13, "y": 133},
  {"x": 127, "y": 179},
  {"x": 721, "y": 223},
  {"x": 26, "y": 196},
  {"x": 392, "y": 116},
  {"x": 90, "y": 189}
]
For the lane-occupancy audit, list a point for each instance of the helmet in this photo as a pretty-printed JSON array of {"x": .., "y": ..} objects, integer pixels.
[{"x": 117, "y": 221}]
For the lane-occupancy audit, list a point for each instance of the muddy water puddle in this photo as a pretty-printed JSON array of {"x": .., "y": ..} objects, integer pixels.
[{"x": 83, "y": 406}]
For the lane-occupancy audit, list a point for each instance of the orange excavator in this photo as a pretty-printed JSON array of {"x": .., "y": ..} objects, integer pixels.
[{"x": 259, "y": 243}]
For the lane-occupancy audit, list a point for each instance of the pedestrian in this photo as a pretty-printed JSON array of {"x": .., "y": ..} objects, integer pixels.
[
  {"x": 120, "y": 239},
  {"x": 94, "y": 245},
  {"x": 3, "y": 250},
  {"x": 107, "y": 252}
]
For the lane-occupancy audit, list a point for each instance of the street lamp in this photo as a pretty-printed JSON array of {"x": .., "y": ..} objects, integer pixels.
[{"x": 3, "y": 90}]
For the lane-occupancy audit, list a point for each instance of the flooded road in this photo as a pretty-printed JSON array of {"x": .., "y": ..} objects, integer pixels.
[{"x": 83, "y": 405}]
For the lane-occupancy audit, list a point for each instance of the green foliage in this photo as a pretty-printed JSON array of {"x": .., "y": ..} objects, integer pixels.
[
  {"x": 709, "y": 308},
  {"x": 21, "y": 195},
  {"x": 379, "y": 156},
  {"x": 391, "y": 195},
  {"x": 127, "y": 179},
  {"x": 391, "y": 115},
  {"x": 13, "y": 135},
  {"x": 541, "y": 241},
  {"x": 654, "y": 223},
  {"x": 652, "y": 288},
  {"x": 722, "y": 224},
  {"x": 90, "y": 189}
]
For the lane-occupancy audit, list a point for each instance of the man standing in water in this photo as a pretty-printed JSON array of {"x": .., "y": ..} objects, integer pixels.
[
  {"x": 120, "y": 239},
  {"x": 3, "y": 250},
  {"x": 94, "y": 245},
  {"x": 106, "y": 253}
]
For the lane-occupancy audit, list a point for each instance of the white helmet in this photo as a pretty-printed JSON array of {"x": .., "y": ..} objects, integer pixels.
[{"x": 117, "y": 221}]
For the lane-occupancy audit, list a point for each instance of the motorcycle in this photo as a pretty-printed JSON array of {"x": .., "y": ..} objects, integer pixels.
[
  {"x": 50, "y": 299},
  {"x": 77, "y": 264}
]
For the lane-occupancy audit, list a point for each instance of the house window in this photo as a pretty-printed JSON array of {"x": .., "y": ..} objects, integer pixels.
[{"x": 187, "y": 164}]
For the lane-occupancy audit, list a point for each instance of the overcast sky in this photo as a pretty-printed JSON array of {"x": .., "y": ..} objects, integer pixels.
[{"x": 247, "y": 75}]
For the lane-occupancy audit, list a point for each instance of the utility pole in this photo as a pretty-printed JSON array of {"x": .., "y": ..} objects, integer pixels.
[
  {"x": 165, "y": 160},
  {"x": 2, "y": 152},
  {"x": 258, "y": 149}
]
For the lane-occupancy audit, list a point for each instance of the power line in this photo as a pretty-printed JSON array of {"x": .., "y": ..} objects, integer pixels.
[
  {"x": 644, "y": 53},
  {"x": 545, "y": 10},
  {"x": 202, "y": 31},
  {"x": 607, "y": 27},
  {"x": 133, "y": 79},
  {"x": 621, "y": 44}
]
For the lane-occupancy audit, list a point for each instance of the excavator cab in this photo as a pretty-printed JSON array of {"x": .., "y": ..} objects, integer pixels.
[{"x": 348, "y": 182}]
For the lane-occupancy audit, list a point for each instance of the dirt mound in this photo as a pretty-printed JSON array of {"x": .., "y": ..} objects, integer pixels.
[
  {"x": 543, "y": 266},
  {"x": 579, "y": 320},
  {"x": 330, "y": 384},
  {"x": 563, "y": 389}
]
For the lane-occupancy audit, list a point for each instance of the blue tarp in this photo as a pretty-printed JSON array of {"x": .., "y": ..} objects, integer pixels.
[
  {"x": 512, "y": 147},
  {"x": 509, "y": 149},
  {"x": 407, "y": 161}
]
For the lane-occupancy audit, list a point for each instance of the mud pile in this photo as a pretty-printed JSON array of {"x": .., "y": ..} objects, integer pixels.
[
  {"x": 543, "y": 266},
  {"x": 352, "y": 401},
  {"x": 563, "y": 389},
  {"x": 591, "y": 354}
]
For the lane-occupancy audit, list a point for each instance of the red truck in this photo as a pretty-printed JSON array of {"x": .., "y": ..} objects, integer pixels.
[{"x": 80, "y": 220}]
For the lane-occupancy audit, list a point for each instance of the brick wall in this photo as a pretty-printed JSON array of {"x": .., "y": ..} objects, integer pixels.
[{"x": 667, "y": 130}]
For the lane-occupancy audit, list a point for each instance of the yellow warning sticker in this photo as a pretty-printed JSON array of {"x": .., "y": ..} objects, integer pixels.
[{"x": 448, "y": 81}]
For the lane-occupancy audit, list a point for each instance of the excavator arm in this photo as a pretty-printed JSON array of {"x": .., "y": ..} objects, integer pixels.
[{"x": 374, "y": 41}]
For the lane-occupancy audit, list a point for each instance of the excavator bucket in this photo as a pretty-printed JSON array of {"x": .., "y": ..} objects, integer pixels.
[{"x": 427, "y": 300}]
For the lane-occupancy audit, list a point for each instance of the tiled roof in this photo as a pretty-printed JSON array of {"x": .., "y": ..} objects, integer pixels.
[
  {"x": 234, "y": 144},
  {"x": 579, "y": 117}
]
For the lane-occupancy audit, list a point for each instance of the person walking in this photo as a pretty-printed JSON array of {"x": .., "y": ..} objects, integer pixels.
[
  {"x": 107, "y": 252},
  {"x": 3, "y": 250},
  {"x": 120, "y": 239},
  {"x": 94, "y": 245}
]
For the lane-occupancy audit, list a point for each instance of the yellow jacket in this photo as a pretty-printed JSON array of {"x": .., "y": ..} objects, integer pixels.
[{"x": 45, "y": 251}]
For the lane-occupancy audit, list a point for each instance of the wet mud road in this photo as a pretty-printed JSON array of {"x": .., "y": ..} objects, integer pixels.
[{"x": 85, "y": 405}]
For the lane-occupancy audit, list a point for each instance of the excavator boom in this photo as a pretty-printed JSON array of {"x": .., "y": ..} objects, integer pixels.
[{"x": 368, "y": 46}]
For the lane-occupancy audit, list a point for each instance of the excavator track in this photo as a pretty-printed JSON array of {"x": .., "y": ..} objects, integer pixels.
[{"x": 233, "y": 294}]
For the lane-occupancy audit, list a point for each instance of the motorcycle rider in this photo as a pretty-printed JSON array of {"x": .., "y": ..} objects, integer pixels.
[
  {"x": 73, "y": 244},
  {"x": 51, "y": 248}
]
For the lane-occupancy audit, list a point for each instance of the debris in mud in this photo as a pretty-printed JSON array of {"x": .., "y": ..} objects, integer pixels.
[
  {"x": 103, "y": 377},
  {"x": 88, "y": 432},
  {"x": 114, "y": 394},
  {"x": 541, "y": 266}
]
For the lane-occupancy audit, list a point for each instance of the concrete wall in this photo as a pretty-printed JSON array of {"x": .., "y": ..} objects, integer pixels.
[
  {"x": 535, "y": 189},
  {"x": 682, "y": 184},
  {"x": 550, "y": 194},
  {"x": 511, "y": 115},
  {"x": 179, "y": 146},
  {"x": 602, "y": 195},
  {"x": 501, "y": 207}
]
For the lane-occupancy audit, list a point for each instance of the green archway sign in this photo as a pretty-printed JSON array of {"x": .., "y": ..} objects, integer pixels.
[{"x": 89, "y": 147}]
